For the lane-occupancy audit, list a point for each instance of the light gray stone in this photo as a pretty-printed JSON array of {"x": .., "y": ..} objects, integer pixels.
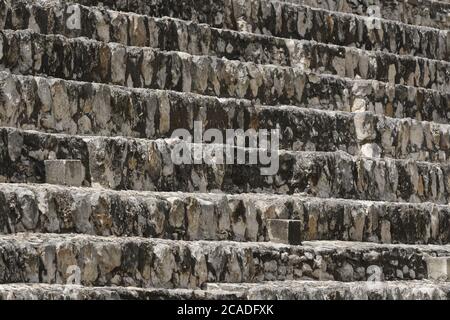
[
  {"x": 64, "y": 172},
  {"x": 284, "y": 231}
]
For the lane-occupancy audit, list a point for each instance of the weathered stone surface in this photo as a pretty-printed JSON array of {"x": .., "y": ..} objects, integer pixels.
[
  {"x": 359, "y": 159},
  {"x": 334, "y": 290},
  {"x": 108, "y": 110},
  {"x": 81, "y": 59},
  {"x": 20, "y": 94},
  {"x": 201, "y": 39},
  {"x": 120, "y": 163},
  {"x": 291, "y": 21},
  {"x": 438, "y": 268},
  {"x": 77, "y": 292},
  {"x": 46, "y": 208},
  {"x": 284, "y": 231},
  {"x": 289, "y": 289},
  {"x": 168, "y": 264},
  {"x": 64, "y": 172},
  {"x": 430, "y": 13}
]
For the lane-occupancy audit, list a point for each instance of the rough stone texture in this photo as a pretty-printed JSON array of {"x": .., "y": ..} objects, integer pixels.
[
  {"x": 290, "y": 21},
  {"x": 300, "y": 290},
  {"x": 77, "y": 292},
  {"x": 201, "y": 39},
  {"x": 364, "y": 176},
  {"x": 331, "y": 290},
  {"x": 438, "y": 268},
  {"x": 27, "y": 52},
  {"x": 109, "y": 110},
  {"x": 430, "y": 13},
  {"x": 138, "y": 164},
  {"x": 284, "y": 231},
  {"x": 175, "y": 215},
  {"x": 64, "y": 172},
  {"x": 100, "y": 261},
  {"x": 95, "y": 108}
]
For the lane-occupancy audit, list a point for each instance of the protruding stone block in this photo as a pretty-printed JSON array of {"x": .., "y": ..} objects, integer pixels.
[
  {"x": 438, "y": 268},
  {"x": 64, "y": 172},
  {"x": 284, "y": 231}
]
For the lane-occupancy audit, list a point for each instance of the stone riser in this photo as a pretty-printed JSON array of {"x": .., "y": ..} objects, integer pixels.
[
  {"x": 99, "y": 261},
  {"x": 135, "y": 164},
  {"x": 197, "y": 39},
  {"x": 429, "y": 13},
  {"x": 297, "y": 22},
  {"x": 75, "y": 108},
  {"x": 52, "y": 209},
  {"x": 30, "y": 53}
]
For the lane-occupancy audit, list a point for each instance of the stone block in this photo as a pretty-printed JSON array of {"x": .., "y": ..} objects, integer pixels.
[
  {"x": 438, "y": 268},
  {"x": 284, "y": 231},
  {"x": 64, "y": 172}
]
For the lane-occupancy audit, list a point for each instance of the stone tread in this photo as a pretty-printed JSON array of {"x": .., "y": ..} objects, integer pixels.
[
  {"x": 172, "y": 34},
  {"x": 27, "y": 52},
  {"x": 83, "y": 108},
  {"x": 205, "y": 216},
  {"x": 42, "y": 291},
  {"x": 282, "y": 19},
  {"x": 131, "y": 261},
  {"x": 140, "y": 164},
  {"x": 288, "y": 289},
  {"x": 336, "y": 290}
]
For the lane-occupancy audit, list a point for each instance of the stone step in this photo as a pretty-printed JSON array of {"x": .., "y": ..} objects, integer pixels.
[
  {"x": 269, "y": 290},
  {"x": 30, "y": 53},
  {"x": 20, "y": 93},
  {"x": 288, "y": 21},
  {"x": 84, "y": 108},
  {"x": 199, "y": 216},
  {"x": 43, "y": 291},
  {"x": 171, "y": 34},
  {"x": 429, "y": 13},
  {"x": 336, "y": 290},
  {"x": 129, "y": 261},
  {"x": 137, "y": 164}
]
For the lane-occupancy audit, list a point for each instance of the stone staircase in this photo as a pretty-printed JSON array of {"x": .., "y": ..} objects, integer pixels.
[{"x": 92, "y": 205}]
